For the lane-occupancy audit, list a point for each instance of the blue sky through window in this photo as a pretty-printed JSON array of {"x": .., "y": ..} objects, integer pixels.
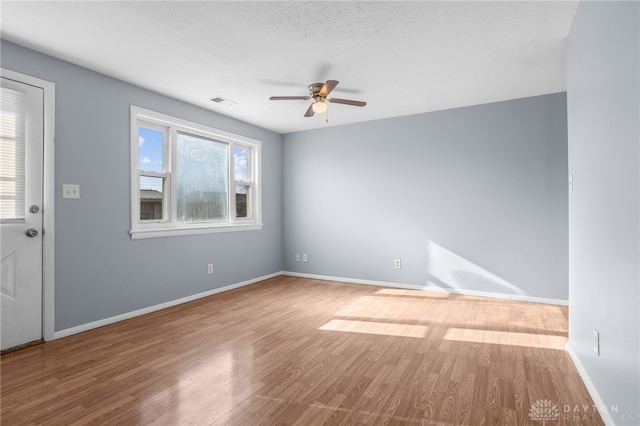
[
  {"x": 240, "y": 159},
  {"x": 150, "y": 145},
  {"x": 150, "y": 149}
]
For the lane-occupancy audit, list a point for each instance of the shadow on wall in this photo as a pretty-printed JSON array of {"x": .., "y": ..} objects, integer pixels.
[{"x": 453, "y": 273}]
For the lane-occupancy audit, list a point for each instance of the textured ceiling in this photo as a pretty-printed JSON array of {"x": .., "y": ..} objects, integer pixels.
[{"x": 401, "y": 57}]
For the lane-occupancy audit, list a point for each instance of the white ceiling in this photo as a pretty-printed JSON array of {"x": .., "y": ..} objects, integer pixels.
[{"x": 401, "y": 57}]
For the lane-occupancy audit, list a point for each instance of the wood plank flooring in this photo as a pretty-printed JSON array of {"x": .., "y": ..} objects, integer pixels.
[{"x": 292, "y": 351}]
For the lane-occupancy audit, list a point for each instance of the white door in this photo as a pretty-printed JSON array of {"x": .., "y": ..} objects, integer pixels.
[{"x": 21, "y": 171}]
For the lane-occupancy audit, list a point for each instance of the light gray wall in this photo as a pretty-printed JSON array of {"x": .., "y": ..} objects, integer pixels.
[
  {"x": 603, "y": 76},
  {"x": 471, "y": 199},
  {"x": 100, "y": 271}
]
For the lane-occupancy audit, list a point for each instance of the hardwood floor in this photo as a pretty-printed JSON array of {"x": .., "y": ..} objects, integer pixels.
[{"x": 307, "y": 352}]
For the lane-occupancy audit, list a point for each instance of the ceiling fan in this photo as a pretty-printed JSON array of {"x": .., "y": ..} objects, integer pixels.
[{"x": 319, "y": 92}]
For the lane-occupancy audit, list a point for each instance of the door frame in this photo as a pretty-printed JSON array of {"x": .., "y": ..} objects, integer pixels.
[{"x": 48, "y": 198}]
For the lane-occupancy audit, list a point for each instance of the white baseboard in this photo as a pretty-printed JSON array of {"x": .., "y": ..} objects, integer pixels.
[
  {"x": 593, "y": 392},
  {"x": 517, "y": 297},
  {"x": 143, "y": 311}
]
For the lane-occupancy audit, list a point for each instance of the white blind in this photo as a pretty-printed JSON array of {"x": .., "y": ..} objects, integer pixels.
[{"x": 12, "y": 154}]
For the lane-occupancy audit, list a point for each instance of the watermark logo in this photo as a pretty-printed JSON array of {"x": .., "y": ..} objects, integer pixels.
[{"x": 543, "y": 411}]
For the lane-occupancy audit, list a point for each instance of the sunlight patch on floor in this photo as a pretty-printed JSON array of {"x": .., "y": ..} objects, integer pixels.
[
  {"x": 488, "y": 313},
  {"x": 506, "y": 338},
  {"x": 380, "y": 328},
  {"x": 413, "y": 293}
]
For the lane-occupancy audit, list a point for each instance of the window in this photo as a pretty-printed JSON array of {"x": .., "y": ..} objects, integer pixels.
[
  {"x": 12, "y": 155},
  {"x": 190, "y": 179}
]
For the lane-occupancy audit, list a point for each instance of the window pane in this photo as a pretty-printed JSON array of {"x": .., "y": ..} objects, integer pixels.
[
  {"x": 150, "y": 143},
  {"x": 201, "y": 173},
  {"x": 242, "y": 197},
  {"x": 12, "y": 154},
  {"x": 152, "y": 199},
  {"x": 240, "y": 164}
]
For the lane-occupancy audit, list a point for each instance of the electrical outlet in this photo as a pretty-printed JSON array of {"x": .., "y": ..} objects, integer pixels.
[
  {"x": 305, "y": 258},
  {"x": 71, "y": 191},
  {"x": 210, "y": 268},
  {"x": 596, "y": 342},
  {"x": 297, "y": 257},
  {"x": 397, "y": 263}
]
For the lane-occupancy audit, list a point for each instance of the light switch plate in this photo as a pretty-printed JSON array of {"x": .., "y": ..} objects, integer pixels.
[{"x": 71, "y": 191}]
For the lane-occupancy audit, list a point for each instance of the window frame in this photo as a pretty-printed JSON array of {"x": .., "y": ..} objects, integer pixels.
[{"x": 168, "y": 225}]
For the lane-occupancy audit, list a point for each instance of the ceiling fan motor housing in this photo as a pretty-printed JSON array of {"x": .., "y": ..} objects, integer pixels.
[{"x": 315, "y": 88}]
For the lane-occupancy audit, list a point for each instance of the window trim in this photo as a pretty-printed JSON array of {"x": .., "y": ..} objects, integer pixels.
[{"x": 169, "y": 227}]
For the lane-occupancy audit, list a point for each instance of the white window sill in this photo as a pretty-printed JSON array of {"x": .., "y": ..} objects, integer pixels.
[{"x": 139, "y": 234}]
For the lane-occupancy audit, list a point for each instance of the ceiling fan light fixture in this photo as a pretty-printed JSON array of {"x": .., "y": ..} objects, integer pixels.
[{"x": 319, "y": 107}]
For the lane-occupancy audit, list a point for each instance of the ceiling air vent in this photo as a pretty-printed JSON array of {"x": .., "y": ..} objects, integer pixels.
[{"x": 222, "y": 101}]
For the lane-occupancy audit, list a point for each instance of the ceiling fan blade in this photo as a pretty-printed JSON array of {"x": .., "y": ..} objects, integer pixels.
[
  {"x": 309, "y": 112},
  {"x": 347, "y": 102},
  {"x": 290, "y": 98},
  {"x": 328, "y": 87}
]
